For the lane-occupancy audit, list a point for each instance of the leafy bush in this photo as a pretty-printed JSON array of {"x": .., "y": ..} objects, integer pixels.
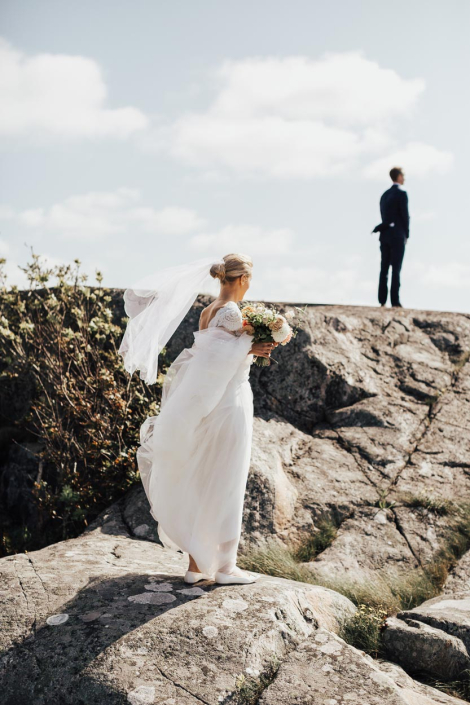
[{"x": 85, "y": 409}]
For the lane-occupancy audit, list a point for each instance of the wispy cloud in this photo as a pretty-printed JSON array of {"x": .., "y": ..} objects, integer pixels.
[
  {"x": 424, "y": 216},
  {"x": 298, "y": 117},
  {"x": 416, "y": 158},
  {"x": 245, "y": 238},
  {"x": 59, "y": 95},
  {"x": 315, "y": 284},
  {"x": 448, "y": 275},
  {"x": 99, "y": 214}
]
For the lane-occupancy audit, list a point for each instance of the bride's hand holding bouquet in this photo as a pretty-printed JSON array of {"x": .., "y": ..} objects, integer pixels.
[{"x": 269, "y": 329}]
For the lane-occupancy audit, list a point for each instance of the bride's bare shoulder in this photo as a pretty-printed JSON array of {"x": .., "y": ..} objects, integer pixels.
[
  {"x": 208, "y": 313},
  {"x": 204, "y": 317}
]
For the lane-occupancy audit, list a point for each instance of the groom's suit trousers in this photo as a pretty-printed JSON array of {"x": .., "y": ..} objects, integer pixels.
[{"x": 392, "y": 248}]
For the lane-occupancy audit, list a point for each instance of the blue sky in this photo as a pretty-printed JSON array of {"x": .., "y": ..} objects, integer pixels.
[{"x": 145, "y": 134}]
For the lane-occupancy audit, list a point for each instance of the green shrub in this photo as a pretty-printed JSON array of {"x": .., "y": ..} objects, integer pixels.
[
  {"x": 364, "y": 629},
  {"x": 85, "y": 409}
]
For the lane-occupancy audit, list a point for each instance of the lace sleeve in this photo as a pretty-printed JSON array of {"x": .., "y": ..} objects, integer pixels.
[{"x": 230, "y": 318}]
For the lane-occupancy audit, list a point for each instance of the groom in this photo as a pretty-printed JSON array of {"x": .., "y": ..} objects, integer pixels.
[{"x": 394, "y": 233}]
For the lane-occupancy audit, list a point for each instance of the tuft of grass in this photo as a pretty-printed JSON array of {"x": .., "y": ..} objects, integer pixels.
[
  {"x": 457, "y": 542},
  {"x": 438, "y": 505},
  {"x": 414, "y": 589},
  {"x": 274, "y": 558},
  {"x": 386, "y": 590},
  {"x": 458, "y": 687},
  {"x": 314, "y": 544},
  {"x": 249, "y": 687},
  {"x": 461, "y": 362},
  {"x": 382, "y": 502},
  {"x": 432, "y": 399},
  {"x": 364, "y": 629},
  {"x": 384, "y": 594}
]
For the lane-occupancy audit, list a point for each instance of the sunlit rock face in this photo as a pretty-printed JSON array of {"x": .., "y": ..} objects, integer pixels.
[
  {"x": 107, "y": 618},
  {"x": 366, "y": 420}
]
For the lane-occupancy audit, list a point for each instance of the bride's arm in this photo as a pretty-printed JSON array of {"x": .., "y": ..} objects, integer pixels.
[
  {"x": 231, "y": 321},
  {"x": 262, "y": 349},
  {"x": 258, "y": 349}
]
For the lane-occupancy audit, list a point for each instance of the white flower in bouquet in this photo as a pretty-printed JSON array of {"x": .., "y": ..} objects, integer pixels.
[
  {"x": 280, "y": 329},
  {"x": 266, "y": 324},
  {"x": 280, "y": 335}
]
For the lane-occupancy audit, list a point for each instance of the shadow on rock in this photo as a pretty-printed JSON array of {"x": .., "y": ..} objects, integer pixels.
[{"x": 55, "y": 664}]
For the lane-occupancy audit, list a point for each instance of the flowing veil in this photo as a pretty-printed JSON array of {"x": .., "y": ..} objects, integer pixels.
[
  {"x": 193, "y": 457},
  {"x": 156, "y": 305}
]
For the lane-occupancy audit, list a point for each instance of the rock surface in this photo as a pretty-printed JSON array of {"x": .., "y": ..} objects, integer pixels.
[
  {"x": 326, "y": 671},
  {"x": 432, "y": 638},
  {"x": 366, "y": 420},
  {"x": 106, "y": 618},
  {"x": 459, "y": 578},
  {"x": 368, "y": 408},
  {"x": 421, "y": 648}
]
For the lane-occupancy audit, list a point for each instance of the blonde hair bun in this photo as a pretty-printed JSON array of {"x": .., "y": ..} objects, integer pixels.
[
  {"x": 218, "y": 271},
  {"x": 236, "y": 265}
]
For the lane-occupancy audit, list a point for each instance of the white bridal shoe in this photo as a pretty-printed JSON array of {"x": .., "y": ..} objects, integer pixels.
[
  {"x": 192, "y": 576},
  {"x": 237, "y": 577}
]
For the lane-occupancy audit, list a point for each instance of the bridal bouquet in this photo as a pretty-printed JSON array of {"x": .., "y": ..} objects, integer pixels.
[{"x": 267, "y": 325}]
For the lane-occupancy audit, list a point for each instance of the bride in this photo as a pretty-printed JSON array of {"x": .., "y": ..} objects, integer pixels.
[{"x": 194, "y": 456}]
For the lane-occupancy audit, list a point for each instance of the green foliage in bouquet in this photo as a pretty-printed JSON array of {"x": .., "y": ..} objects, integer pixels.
[{"x": 85, "y": 410}]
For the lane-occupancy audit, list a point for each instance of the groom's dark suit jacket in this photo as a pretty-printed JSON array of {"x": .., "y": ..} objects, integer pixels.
[{"x": 394, "y": 209}]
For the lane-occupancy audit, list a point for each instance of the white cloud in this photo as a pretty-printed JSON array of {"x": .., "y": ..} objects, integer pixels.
[
  {"x": 6, "y": 212},
  {"x": 269, "y": 146},
  {"x": 296, "y": 117},
  {"x": 424, "y": 216},
  {"x": 60, "y": 95},
  {"x": 4, "y": 248},
  {"x": 344, "y": 88},
  {"x": 453, "y": 275},
  {"x": 245, "y": 238},
  {"x": 317, "y": 285},
  {"x": 416, "y": 158},
  {"x": 98, "y": 214},
  {"x": 169, "y": 220}
]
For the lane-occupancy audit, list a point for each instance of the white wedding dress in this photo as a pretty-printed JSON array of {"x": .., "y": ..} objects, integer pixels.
[{"x": 194, "y": 456}]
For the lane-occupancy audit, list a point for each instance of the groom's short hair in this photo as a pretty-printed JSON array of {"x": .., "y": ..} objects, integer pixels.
[{"x": 395, "y": 172}]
